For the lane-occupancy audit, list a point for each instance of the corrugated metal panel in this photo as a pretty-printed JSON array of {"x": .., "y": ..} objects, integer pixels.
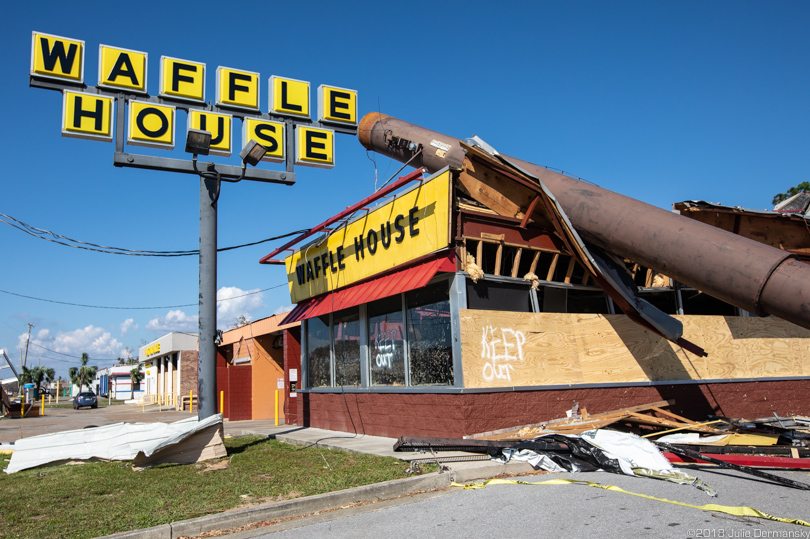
[
  {"x": 120, "y": 441},
  {"x": 388, "y": 285}
]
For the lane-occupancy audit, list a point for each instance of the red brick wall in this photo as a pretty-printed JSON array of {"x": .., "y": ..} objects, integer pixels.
[
  {"x": 456, "y": 415},
  {"x": 292, "y": 360},
  {"x": 189, "y": 367}
]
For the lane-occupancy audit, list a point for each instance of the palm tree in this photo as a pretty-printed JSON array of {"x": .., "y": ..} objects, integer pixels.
[
  {"x": 37, "y": 376},
  {"x": 135, "y": 376},
  {"x": 81, "y": 376}
]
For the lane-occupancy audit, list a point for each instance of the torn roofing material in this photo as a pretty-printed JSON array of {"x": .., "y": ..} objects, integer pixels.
[
  {"x": 742, "y": 272},
  {"x": 608, "y": 272},
  {"x": 120, "y": 441}
]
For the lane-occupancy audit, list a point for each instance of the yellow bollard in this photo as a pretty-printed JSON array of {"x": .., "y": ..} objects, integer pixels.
[
  {"x": 22, "y": 408},
  {"x": 222, "y": 402},
  {"x": 42, "y": 410},
  {"x": 276, "y": 399},
  {"x": 191, "y": 401}
]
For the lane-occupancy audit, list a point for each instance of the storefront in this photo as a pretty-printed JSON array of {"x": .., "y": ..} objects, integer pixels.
[
  {"x": 253, "y": 369},
  {"x": 435, "y": 315},
  {"x": 170, "y": 367}
]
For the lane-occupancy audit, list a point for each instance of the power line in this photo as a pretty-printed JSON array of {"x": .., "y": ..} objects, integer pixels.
[
  {"x": 135, "y": 308},
  {"x": 88, "y": 246}
]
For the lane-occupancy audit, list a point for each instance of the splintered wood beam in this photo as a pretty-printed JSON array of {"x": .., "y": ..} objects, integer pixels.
[
  {"x": 498, "y": 258},
  {"x": 535, "y": 260},
  {"x": 570, "y": 270},
  {"x": 639, "y": 408},
  {"x": 553, "y": 267},
  {"x": 479, "y": 254},
  {"x": 529, "y": 212},
  {"x": 670, "y": 414},
  {"x": 516, "y": 265},
  {"x": 493, "y": 190}
]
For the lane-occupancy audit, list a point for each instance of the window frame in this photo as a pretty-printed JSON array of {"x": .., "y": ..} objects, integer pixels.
[{"x": 365, "y": 346}]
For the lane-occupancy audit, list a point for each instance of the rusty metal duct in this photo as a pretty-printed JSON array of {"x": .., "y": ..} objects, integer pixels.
[{"x": 745, "y": 273}]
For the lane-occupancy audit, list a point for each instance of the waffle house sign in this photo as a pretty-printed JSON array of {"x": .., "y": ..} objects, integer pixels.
[{"x": 123, "y": 80}]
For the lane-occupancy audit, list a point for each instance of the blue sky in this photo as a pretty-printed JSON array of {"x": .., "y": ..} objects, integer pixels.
[{"x": 660, "y": 101}]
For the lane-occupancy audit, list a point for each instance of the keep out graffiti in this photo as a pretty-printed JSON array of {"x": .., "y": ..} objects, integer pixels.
[
  {"x": 385, "y": 348},
  {"x": 499, "y": 347}
]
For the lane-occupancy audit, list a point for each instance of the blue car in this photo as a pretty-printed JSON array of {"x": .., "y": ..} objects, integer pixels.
[{"x": 85, "y": 399}]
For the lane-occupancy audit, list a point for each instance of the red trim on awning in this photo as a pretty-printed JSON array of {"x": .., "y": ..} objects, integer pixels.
[{"x": 382, "y": 287}]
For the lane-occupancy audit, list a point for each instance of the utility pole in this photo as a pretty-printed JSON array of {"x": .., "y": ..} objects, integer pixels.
[{"x": 30, "y": 325}]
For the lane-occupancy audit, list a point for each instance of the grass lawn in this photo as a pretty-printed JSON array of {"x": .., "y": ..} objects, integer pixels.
[{"x": 100, "y": 498}]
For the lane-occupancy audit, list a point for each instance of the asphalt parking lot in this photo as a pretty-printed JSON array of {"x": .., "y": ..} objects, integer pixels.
[{"x": 61, "y": 419}]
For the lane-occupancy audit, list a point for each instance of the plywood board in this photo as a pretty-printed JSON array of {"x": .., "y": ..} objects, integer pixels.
[{"x": 505, "y": 349}]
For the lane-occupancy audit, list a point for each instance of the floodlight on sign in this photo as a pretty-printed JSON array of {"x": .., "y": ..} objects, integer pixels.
[
  {"x": 198, "y": 142},
  {"x": 252, "y": 153}
]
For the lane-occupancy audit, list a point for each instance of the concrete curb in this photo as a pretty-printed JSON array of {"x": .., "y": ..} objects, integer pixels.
[
  {"x": 289, "y": 508},
  {"x": 322, "y": 502}
]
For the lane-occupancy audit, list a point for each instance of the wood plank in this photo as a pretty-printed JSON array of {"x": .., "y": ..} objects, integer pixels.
[
  {"x": 636, "y": 417},
  {"x": 585, "y": 277},
  {"x": 563, "y": 348},
  {"x": 553, "y": 267},
  {"x": 670, "y": 414},
  {"x": 535, "y": 260},
  {"x": 637, "y": 408},
  {"x": 570, "y": 270},
  {"x": 495, "y": 191},
  {"x": 479, "y": 253},
  {"x": 516, "y": 263},
  {"x": 498, "y": 259}
]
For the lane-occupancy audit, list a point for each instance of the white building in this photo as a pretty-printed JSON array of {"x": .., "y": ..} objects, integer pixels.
[{"x": 170, "y": 364}]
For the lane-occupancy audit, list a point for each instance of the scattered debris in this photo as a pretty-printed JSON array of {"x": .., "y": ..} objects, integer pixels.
[
  {"x": 146, "y": 444},
  {"x": 617, "y": 441},
  {"x": 221, "y": 465}
]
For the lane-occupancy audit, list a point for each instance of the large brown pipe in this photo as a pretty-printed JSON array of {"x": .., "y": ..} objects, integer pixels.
[{"x": 750, "y": 275}]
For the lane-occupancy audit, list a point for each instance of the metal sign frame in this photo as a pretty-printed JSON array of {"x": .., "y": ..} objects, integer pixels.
[{"x": 210, "y": 175}]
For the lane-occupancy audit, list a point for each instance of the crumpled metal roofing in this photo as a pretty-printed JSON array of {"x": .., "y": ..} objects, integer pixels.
[{"x": 120, "y": 441}]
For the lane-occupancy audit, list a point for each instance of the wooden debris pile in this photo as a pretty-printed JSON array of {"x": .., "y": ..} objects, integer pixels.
[{"x": 741, "y": 444}]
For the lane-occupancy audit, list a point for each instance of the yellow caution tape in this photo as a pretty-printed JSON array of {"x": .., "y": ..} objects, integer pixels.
[{"x": 741, "y": 511}]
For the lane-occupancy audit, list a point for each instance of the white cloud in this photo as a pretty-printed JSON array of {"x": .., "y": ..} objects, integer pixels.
[
  {"x": 237, "y": 302},
  {"x": 175, "y": 320},
  {"x": 283, "y": 309},
  {"x": 128, "y": 324},
  {"x": 91, "y": 339}
]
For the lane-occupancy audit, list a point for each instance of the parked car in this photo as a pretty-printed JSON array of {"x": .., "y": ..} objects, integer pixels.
[{"x": 85, "y": 398}]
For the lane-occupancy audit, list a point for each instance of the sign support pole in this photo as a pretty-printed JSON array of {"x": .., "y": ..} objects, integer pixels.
[
  {"x": 207, "y": 359},
  {"x": 337, "y": 109}
]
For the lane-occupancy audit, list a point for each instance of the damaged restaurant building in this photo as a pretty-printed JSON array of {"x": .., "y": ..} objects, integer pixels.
[{"x": 482, "y": 292}]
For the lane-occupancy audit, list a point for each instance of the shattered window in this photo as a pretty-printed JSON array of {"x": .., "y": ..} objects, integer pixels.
[
  {"x": 347, "y": 347},
  {"x": 386, "y": 342},
  {"x": 318, "y": 356},
  {"x": 429, "y": 337}
]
